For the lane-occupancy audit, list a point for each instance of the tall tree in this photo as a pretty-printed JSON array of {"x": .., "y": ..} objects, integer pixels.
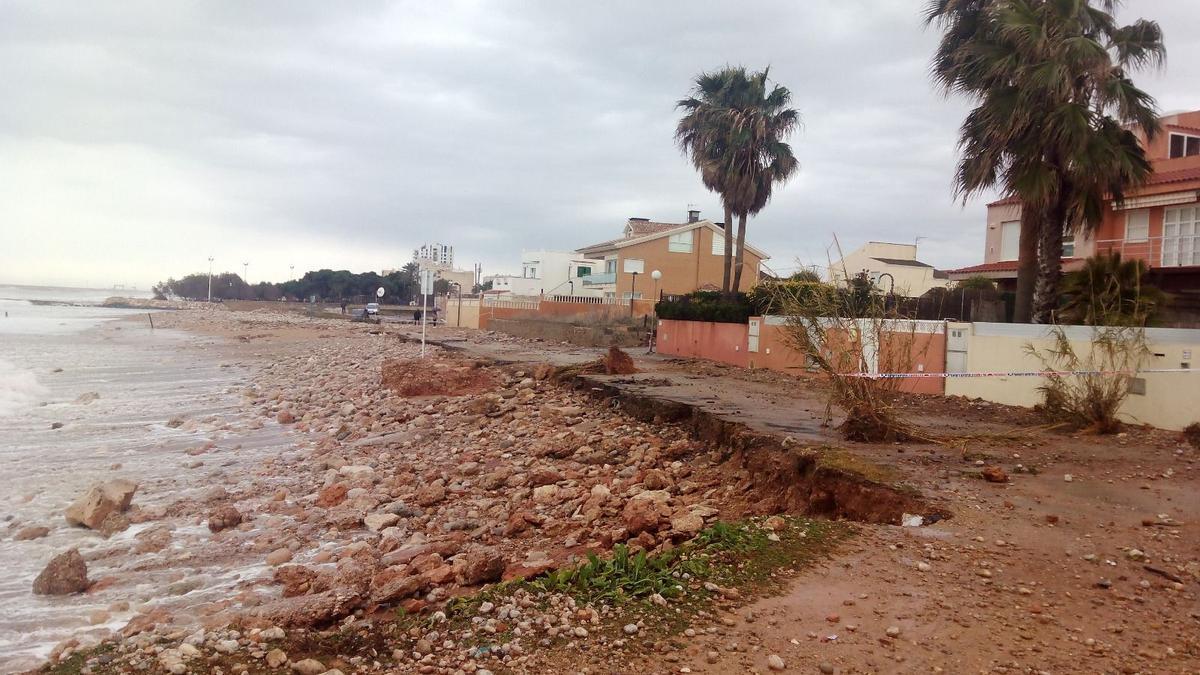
[
  {"x": 1053, "y": 120},
  {"x": 734, "y": 128},
  {"x": 702, "y": 135}
]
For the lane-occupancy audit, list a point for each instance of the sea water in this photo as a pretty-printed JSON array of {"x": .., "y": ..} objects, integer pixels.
[{"x": 85, "y": 396}]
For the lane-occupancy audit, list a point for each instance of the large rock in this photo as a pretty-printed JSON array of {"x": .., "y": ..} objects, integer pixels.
[
  {"x": 432, "y": 494},
  {"x": 646, "y": 512},
  {"x": 96, "y": 504},
  {"x": 64, "y": 574},
  {"x": 394, "y": 584},
  {"x": 479, "y": 566},
  {"x": 379, "y": 521},
  {"x": 32, "y": 532},
  {"x": 223, "y": 518}
]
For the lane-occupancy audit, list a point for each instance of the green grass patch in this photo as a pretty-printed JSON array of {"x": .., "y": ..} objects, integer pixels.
[{"x": 746, "y": 556}]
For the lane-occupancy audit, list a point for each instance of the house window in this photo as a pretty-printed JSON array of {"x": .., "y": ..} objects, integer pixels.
[
  {"x": 1183, "y": 145},
  {"x": 1137, "y": 225},
  {"x": 631, "y": 296},
  {"x": 680, "y": 242},
  {"x": 582, "y": 271},
  {"x": 718, "y": 246},
  {"x": 1068, "y": 244},
  {"x": 1010, "y": 240},
  {"x": 1181, "y": 237},
  {"x": 610, "y": 266}
]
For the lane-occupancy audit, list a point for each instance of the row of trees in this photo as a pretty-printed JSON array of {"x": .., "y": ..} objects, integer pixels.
[
  {"x": 1054, "y": 125},
  {"x": 400, "y": 287}
]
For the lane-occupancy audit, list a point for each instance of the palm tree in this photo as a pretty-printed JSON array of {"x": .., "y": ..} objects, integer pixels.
[
  {"x": 1109, "y": 291},
  {"x": 701, "y": 133},
  {"x": 734, "y": 128},
  {"x": 1053, "y": 121}
]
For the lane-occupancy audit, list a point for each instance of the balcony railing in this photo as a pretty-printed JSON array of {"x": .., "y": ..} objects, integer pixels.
[
  {"x": 1176, "y": 251},
  {"x": 600, "y": 279}
]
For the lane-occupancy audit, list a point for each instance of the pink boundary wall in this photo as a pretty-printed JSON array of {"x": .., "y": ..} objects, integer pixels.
[{"x": 729, "y": 343}]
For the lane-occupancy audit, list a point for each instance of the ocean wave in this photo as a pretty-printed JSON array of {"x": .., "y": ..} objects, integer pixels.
[{"x": 19, "y": 389}]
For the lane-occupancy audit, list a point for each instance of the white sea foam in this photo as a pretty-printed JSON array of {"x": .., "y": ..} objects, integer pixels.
[{"x": 19, "y": 389}]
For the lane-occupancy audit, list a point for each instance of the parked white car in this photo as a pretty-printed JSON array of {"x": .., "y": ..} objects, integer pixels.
[{"x": 372, "y": 308}]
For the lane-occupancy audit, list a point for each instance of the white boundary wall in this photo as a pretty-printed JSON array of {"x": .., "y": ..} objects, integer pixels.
[{"x": 1170, "y": 401}]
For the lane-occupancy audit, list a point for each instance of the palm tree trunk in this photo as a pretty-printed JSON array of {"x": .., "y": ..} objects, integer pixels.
[
  {"x": 1027, "y": 263},
  {"x": 1046, "y": 288},
  {"x": 728, "y": 251},
  {"x": 741, "y": 251}
]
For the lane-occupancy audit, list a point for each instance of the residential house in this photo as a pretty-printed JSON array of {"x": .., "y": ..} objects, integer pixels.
[
  {"x": 464, "y": 278},
  {"x": 689, "y": 255},
  {"x": 891, "y": 267},
  {"x": 545, "y": 272},
  {"x": 1158, "y": 222}
]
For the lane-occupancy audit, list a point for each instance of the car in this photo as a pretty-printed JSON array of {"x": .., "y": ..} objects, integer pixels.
[{"x": 372, "y": 308}]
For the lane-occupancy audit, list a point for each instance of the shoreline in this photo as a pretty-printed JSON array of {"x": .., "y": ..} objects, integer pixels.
[{"x": 468, "y": 472}]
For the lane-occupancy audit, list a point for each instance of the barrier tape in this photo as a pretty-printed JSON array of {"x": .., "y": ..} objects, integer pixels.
[{"x": 1018, "y": 373}]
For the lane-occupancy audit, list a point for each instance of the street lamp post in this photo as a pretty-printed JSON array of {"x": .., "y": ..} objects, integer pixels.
[
  {"x": 210, "y": 261},
  {"x": 656, "y": 276}
]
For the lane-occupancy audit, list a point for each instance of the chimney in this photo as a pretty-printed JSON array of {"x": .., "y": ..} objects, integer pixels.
[{"x": 693, "y": 215}]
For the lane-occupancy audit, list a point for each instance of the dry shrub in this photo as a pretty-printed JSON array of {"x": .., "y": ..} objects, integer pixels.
[
  {"x": 1086, "y": 391},
  {"x": 846, "y": 332},
  {"x": 1191, "y": 434}
]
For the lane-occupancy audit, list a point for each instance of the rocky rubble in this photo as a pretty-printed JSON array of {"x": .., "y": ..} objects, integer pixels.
[{"x": 390, "y": 499}]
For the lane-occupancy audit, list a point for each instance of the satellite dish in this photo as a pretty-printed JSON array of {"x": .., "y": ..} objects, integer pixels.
[{"x": 379, "y": 292}]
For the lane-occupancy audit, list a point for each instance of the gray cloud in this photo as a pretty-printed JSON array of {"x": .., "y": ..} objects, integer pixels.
[{"x": 139, "y": 138}]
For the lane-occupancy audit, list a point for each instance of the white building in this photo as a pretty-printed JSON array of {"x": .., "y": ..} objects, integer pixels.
[
  {"x": 438, "y": 253},
  {"x": 546, "y": 272},
  {"x": 881, "y": 260}
]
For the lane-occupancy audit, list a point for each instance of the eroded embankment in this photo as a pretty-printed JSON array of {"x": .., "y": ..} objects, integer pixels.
[{"x": 786, "y": 477}]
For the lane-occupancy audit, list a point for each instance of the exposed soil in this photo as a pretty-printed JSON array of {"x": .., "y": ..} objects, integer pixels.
[
  {"x": 436, "y": 377},
  {"x": 1081, "y": 561}
]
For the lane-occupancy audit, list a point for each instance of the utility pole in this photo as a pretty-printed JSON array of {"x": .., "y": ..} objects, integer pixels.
[
  {"x": 210, "y": 260},
  {"x": 291, "y": 272},
  {"x": 246, "y": 273}
]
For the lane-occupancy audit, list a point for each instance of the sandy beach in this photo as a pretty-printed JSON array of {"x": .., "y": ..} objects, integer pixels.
[{"x": 322, "y": 495}]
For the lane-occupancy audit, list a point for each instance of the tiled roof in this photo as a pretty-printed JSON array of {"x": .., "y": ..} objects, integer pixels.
[
  {"x": 1011, "y": 199},
  {"x": 904, "y": 262},
  {"x": 636, "y": 228},
  {"x": 1002, "y": 266},
  {"x": 640, "y": 228},
  {"x": 1177, "y": 176},
  {"x": 1184, "y": 127}
]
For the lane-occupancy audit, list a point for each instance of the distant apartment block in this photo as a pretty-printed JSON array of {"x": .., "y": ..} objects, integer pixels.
[
  {"x": 1158, "y": 222},
  {"x": 438, "y": 253}
]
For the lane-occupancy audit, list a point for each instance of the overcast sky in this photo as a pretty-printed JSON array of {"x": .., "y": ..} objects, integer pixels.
[{"x": 138, "y": 138}]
